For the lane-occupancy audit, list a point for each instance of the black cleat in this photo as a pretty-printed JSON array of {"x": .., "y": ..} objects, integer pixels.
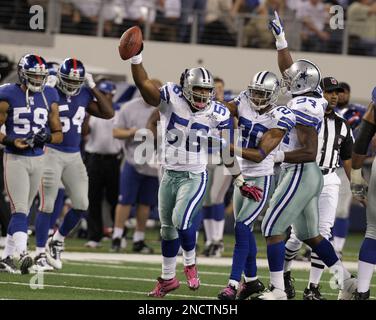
[
  {"x": 247, "y": 289},
  {"x": 289, "y": 286},
  {"x": 207, "y": 250},
  {"x": 361, "y": 295},
  {"x": 228, "y": 293},
  {"x": 7, "y": 265},
  {"x": 141, "y": 247},
  {"x": 312, "y": 293},
  {"x": 116, "y": 245},
  {"x": 25, "y": 263}
]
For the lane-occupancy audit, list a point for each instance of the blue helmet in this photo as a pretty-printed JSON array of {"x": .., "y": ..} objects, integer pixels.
[
  {"x": 71, "y": 74},
  {"x": 107, "y": 86},
  {"x": 354, "y": 114},
  {"x": 32, "y": 72}
]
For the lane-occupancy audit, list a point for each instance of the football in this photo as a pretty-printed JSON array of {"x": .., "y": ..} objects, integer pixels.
[{"x": 130, "y": 43}]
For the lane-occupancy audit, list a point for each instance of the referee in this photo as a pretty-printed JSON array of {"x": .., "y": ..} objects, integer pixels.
[{"x": 335, "y": 143}]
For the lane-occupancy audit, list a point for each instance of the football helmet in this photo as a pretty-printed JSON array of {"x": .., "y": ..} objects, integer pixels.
[
  {"x": 32, "y": 72},
  {"x": 71, "y": 75},
  {"x": 263, "y": 90},
  {"x": 303, "y": 76},
  {"x": 198, "y": 78}
]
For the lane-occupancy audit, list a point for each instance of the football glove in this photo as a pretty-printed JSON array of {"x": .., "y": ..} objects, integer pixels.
[
  {"x": 359, "y": 186},
  {"x": 279, "y": 156},
  {"x": 247, "y": 190},
  {"x": 89, "y": 80},
  {"x": 276, "y": 26},
  {"x": 39, "y": 139}
]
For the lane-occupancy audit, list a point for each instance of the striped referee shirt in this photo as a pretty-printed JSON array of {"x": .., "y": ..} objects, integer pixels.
[{"x": 335, "y": 142}]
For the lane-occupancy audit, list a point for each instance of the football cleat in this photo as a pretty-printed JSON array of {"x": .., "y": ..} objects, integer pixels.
[
  {"x": 216, "y": 249},
  {"x": 228, "y": 293},
  {"x": 7, "y": 265},
  {"x": 271, "y": 294},
  {"x": 207, "y": 250},
  {"x": 54, "y": 250},
  {"x": 312, "y": 293},
  {"x": 193, "y": 281},
  {"x": 289, "y": 285},
  {"x": 247, "y": 289},
  {"x": 141, "y": 247},
  {"x": 163, "y": 287},
  {"x": 361, "y": 295},
  {"x": 349, "y": 289},
  {"x": 26, "y": 261},
  {"x": 116, "y": 245},
  {"x": 41, "y": 263}
]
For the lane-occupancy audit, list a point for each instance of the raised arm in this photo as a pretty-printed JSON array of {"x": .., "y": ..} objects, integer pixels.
[
  {"x": 102, "y": 108},
  {"x": 284, "y": 56},
  {"x": 148, "y": 89}
]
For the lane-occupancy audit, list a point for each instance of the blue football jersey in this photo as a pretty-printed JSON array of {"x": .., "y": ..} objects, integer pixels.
[
  {"x": 22, "y": 120},
  {"x": 72, "y": 110}
]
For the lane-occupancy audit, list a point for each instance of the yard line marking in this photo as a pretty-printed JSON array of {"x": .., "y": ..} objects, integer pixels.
[
  {"x": 158, "y": 269},
  {"x": 103, "y": 290}
]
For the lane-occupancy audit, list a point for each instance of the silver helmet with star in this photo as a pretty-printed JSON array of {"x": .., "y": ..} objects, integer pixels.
[
  {"x": 303, "y": 76},
  {"x": 263, "y": 90}
]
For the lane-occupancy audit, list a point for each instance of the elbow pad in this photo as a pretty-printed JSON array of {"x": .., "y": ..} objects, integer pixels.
[{"x": 366, "y": 132}]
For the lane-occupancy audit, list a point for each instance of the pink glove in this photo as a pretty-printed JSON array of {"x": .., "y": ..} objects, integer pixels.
[{"x": 251, "y": 192}]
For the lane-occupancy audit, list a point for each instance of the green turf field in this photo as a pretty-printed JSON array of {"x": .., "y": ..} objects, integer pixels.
[{"x": 110, "y": 280}]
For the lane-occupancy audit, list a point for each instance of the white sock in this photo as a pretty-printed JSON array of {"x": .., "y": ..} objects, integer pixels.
[
  {"x": 365, "y": 272},
  {"x": 138, "y": 236},
  {"x": 168, "y": 268},
  {"x": 234, "y": 283},
  {"x": 338, "y": 243},
  {"x": 10, "y": 247},
  {"x": 38, "y": 251},
  {"x": 316, "y": 272},
  {"x": 118, "y": 233},
  {"x": 249, "y": 279},
  {"x": 58, "y": 237},
  {"x": 276, "y": 279},
  {"x": 218, "y": 227},
  {"x": 20, "y": 240},
  {"x": 51, "y": 232},
  {"x": 340, "y": 272},
  {"x": 189, "y": 257},
  {"x": 208, "y": 231}
]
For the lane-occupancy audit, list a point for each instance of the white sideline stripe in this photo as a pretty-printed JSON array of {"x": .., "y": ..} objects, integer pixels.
[
  {"x": 103, "y": 290},
  {"x": 209, "y": 273},
  {"x": 156, "y": 259},
  {"x": 152, "y": 280}
]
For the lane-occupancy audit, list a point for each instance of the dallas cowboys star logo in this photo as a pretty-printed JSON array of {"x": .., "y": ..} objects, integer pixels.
[{"x": 304, "y": 75}]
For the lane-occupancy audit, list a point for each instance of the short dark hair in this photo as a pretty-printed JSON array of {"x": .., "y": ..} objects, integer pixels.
[
  {"x": 218, "y": 79},
  {"x": 345, "y": 86}
]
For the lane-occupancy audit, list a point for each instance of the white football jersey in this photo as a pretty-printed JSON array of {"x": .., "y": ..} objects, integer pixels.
[
  {"x": 181, "y": 146},
  {"x": 252, "y": 127},
  {"x": 309, "y": 111}
]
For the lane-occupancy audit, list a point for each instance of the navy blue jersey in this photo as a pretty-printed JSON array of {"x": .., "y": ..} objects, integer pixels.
[
  {"x": 22, "y": 121},
  {"x": 72, "y": 110}
]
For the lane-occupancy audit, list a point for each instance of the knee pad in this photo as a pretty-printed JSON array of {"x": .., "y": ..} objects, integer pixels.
[{"x": 169, "y": 233}]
